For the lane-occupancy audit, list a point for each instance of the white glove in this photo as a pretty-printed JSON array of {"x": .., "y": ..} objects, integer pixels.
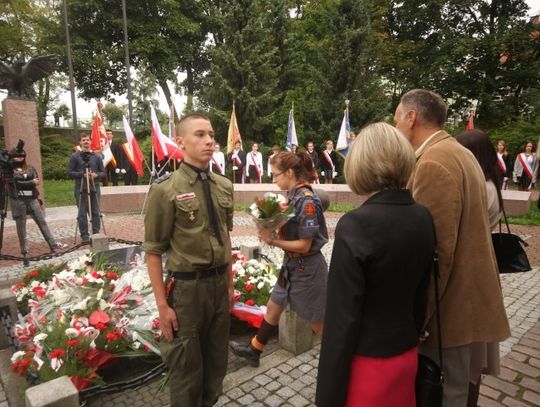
[
  {"x": 117, "y": 170},
  {"x": 335, "y": 174},
  {"x": 234, "y": 167},
  {"x": 123, "y": 171},
  {"x": 322, "y": 173}
]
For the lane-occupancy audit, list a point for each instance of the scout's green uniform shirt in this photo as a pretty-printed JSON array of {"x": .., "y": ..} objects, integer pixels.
[{"x": 177, "y": 221}]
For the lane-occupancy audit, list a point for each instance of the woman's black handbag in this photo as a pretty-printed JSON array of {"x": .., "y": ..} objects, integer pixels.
[
  {"x": 428, "y": 383},
  {"x": 511, "y": 258},
  {"x": 429, "y": 376}
]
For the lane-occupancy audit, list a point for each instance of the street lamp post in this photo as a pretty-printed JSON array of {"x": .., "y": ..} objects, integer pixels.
[
  {"x": 70, "y": 70},
  {"x": 128, "y": 65}
]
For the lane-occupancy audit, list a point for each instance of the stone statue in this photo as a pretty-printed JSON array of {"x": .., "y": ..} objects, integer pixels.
[{"x": 18, "y": 79}]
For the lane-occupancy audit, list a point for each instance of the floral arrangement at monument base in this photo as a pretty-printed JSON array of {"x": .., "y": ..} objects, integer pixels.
[
  {"x": 81, "y": 318},
  {"x": 253, "y": 282}
]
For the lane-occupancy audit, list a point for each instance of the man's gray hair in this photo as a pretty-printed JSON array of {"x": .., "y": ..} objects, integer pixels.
[{"x": 429, "y": 106}]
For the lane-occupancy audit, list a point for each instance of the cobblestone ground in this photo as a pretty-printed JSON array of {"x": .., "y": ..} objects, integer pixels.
[{"x": 287, "y": 380}]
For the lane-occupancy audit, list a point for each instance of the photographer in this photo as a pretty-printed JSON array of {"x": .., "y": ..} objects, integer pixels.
[
  {"x": 86, "y": 168},
  {"x": 24, "y": 201}
]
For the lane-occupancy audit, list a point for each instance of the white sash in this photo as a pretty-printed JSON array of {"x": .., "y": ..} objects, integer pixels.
[
  {"x": 501, "y": 163},
  {"x": 329, "y": 160},
  {"x": 214, "y": 162},
  {"x": 526, "y": 166}
]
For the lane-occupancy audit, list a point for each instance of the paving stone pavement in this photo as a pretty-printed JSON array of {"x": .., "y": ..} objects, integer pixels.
[{"x": 284, "y": 379}]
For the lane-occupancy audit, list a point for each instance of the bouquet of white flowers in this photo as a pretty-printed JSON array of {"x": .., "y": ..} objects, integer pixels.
[{"x": 271, "y": 212}]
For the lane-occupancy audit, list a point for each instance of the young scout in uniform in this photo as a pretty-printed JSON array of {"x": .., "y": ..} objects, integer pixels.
[{"x": 189, "y": 218}]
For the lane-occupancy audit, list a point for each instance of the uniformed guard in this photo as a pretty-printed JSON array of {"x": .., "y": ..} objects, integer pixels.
[
  {"x": 24, "y": 200},
  {"x": 302, "y": 280},
  {"x": 189, "y": 218}
]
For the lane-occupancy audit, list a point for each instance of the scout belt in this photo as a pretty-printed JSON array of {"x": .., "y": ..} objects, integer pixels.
[
  {"x": 194, "y": 275},
  {"x": 293, "y": 255}
]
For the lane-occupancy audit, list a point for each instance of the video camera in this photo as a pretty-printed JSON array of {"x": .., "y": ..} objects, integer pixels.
[
  {"x": 6, "y": 159},
  {"x": 85, "y": 155}
]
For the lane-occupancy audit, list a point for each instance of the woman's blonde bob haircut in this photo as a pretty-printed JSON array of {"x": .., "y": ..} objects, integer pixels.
[{"x": 379, "y": 158}]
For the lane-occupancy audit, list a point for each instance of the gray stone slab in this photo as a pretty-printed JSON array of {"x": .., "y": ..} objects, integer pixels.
[{"x": 59, "y": 392}]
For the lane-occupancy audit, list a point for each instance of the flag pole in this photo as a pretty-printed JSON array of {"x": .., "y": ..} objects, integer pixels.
[{"x": 173, "y": 115}]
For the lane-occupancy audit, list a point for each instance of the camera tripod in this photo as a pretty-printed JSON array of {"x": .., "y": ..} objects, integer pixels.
[
  {"x": 88, "y": 203},
  {"x": 4, "y": 199},
  {"x": 3, "y": 208}
]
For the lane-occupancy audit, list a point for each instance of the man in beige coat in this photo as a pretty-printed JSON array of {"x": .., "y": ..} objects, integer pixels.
[{"x": 448, "y": 180}]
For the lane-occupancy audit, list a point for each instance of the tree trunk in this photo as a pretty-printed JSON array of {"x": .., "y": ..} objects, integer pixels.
[
  {"x": 166, "y": 91},
  {"x": 189, "y": 89}
]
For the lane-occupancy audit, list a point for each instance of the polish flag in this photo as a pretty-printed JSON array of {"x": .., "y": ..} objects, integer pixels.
[
  {"x": 163, "y": 146},
  {"x": 132, "y": 150},
  {"x": 98, "y": 137}
]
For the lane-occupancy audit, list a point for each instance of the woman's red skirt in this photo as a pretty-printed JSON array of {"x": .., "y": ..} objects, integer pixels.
[{"x": 383, "y": 382}]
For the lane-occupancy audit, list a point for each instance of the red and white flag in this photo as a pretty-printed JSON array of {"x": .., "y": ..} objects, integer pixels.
[
  {"x": 132, "y": 150},
  {"x": 98, "y": 137},
  {"x": 99, "y": 140},
  {"x": 163, "y": 146}
]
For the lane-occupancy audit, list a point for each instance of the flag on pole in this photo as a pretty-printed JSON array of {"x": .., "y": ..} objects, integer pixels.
[
  {"x": 343, "y": 142},
  {"x": 233, "y": 134},
  {"x": 291, "y": 132},
  {"x": 98, "y": 137},
  {"x": 99, "y": 141},
  {"x": 470, "y": 122},
  {"x": 132, "y": 149},
  {"x": 163, "y": 146}
]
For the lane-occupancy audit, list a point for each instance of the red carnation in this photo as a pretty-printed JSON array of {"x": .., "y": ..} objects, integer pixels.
[
  {"x": 111, "y": 275},
  {"x": 73, "y": 342},
  {"x": 155, "y": 324},
  {"x": 111, "y": 336},
  {"x": 33, "y": 274},
  {"x": 57, "y": 353},
  {"x": 249, "y": 287},
  {"x": 39, "y": 291},
  {"x": 21, "y": 365},
  {"x": 95, "y": 274},
  {"x": 250, "y": 302}
]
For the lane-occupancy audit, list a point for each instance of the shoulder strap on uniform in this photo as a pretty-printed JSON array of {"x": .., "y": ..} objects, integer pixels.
[{"x": 164, "y": 177}]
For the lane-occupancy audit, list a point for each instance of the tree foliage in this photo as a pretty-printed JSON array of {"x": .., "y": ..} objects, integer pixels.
[{"x": 266, "y": 56}]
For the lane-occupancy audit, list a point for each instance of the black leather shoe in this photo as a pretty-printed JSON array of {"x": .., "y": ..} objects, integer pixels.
[{"x": 247, "y": 352}]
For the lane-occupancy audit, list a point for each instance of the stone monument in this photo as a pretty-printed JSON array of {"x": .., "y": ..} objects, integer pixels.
[{"x": 19, "y": 110}]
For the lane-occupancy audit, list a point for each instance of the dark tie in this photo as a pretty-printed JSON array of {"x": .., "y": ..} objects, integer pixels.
[{"x": 210, "y": 206}]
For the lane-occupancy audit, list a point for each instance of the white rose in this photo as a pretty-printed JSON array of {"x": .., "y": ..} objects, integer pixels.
[
  {"x": 281, "y": 199},
  {"x": 81, "y": 305},
  {"x": 40, "y": 338},
  {"x": 260, "y": 285},
  {"x": 17, "y": 355},
  {"x": 269, "y": 195},
  {"x": 71, "y": 333},
  {"x": 139, "y": 283},
  {"x": 253, "y": 206},
  {"x": 256, "y": 213}
]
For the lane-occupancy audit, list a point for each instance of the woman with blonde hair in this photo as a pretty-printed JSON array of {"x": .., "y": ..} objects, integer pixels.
[{"x": 377, "y": 284}]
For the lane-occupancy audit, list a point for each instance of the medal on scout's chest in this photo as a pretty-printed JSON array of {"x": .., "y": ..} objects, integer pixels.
[{"x": 191, "y": 216}]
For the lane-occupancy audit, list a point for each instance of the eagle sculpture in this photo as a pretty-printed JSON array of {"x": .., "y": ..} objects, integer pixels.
[{"x": 19, "y": 78}]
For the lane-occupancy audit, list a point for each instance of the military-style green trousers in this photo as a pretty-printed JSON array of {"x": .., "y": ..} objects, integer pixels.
[{"x": 197, "y": 357}]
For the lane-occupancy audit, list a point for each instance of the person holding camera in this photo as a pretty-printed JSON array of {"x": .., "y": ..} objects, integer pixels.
[
  {"x": 24, "y": 200},
  {"x": 86, "y": 168}
]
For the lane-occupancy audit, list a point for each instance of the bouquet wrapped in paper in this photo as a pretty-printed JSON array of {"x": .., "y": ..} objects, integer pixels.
[
  {"x": 82, "y": 316},
  {"x": 270, "y": 212}
]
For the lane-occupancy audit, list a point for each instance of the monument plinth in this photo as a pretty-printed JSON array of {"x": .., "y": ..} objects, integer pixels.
[{"x": 21, "y": 122}]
